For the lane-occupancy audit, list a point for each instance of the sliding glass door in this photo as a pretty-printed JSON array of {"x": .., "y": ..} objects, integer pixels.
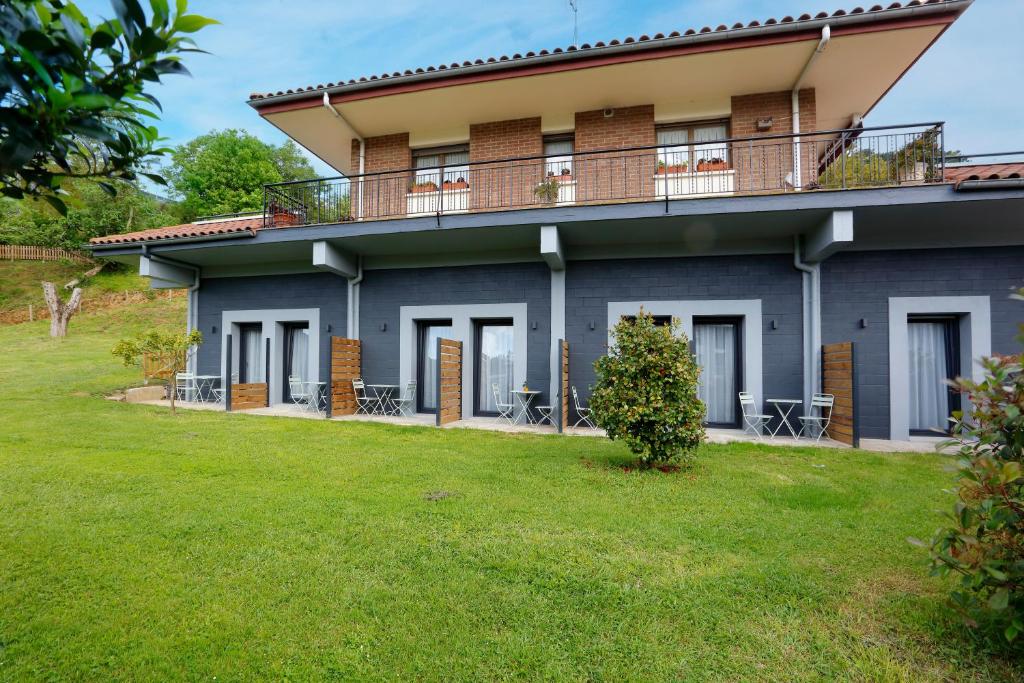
[
  {"x": 250, "y": 353},
  {"x": 296, "y": 356},
  {"x": 934, "y": 358},
  {"x": 494, "y": 365},
  {"x": 716, "y": 344},
  {"x": 429, "y": 331}
]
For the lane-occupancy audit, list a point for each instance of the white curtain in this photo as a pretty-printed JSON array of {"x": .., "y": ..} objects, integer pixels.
[
  {"x": 712, "y": 147},
  {"x": 496, "y": 365},
  {"x": 252, "y": 345},
  {"x": 428, "y": 358},
  {"x": 929, "y": 398},
  {"x": 557, "y": 157},
  {"x": 299, "y": 361},
  {"x": 716, "y": 355},
  {"x": 673, "y": 149}
]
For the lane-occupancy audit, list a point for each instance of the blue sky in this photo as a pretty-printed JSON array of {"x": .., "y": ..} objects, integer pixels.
[{"x": 972, "y": 78}]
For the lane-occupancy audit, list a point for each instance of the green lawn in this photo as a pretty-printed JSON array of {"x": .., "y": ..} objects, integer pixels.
[
  {"x": 138, "y": 545},
  {"x": 20, "y": 281}
]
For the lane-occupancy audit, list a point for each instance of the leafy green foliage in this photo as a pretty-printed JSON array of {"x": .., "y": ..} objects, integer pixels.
[
  {"x": 646, "y": 391},
  {"x": 73, "y": 100},
  {"x": 984, "y": 542},
  {"x": 170, "y": 350},
  {"x": 91, "y": 212},
  {"x": 862, "y": 165},
  {"x": 224, "y": 171}
]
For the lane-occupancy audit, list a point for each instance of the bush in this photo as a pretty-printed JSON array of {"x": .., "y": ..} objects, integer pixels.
[
  {"x": 984, "y": 543},
  {"x": 646, "y": 391}
]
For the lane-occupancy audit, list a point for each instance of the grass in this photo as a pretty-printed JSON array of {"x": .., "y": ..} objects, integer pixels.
[
  {"x": 139, "y": 545},
  {"x": 20, "y": 281}
]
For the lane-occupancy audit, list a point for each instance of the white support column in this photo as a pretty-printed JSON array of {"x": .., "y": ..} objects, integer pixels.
[{"x": 552, "y": 253}]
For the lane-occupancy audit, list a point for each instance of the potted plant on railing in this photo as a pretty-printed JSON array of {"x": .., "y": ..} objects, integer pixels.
[
  {"x": 712, "y": 164},
  {"x": 664, "y": 169},
  {"x": 457, "y": 184},
  {"x": 423, "y": 187},
  {"x": 547, "y": 190}
]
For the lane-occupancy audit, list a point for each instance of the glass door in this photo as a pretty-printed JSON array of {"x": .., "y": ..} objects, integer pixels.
[
  {"x": 429, "y": 331},
  {"x": 250, "y": 353},
  {"x": 494, "y": 365},
  {"x": 717, "y": 346},
  {"x": 296, "y": 356},
  {"x": 934, "y": 357}
]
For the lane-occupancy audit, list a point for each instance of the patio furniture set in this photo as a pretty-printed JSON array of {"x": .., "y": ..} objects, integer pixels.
[
  {"x": 307, "y": 395},
  {"x": 384, "y": 399},
  {"x": 812, "y": 426}
]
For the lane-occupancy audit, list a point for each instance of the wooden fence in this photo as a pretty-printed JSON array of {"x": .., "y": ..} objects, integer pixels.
[
  {"x": 563, "y": 361},
  {"x": 247, "y": 396},
  {"x": 838, "y": 378},
  {"x": 18, "y": 252},
  {"x": 153, "y": 368},
  {"x": 346, "y": 363},
  {"x": 449, "y": 381}
]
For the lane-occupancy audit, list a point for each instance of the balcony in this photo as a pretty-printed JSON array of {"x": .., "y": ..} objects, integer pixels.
[{"x": 855, "y": 158}]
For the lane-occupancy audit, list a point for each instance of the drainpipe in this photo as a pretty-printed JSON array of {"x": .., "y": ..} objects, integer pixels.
[
  {"x": 811, "y": 295},
  {"x": 353, "y": 301},
  {"x": 362, "y": 152},
  {"x": 192, "y": 312},
  {"x": 826, "y": 35}
]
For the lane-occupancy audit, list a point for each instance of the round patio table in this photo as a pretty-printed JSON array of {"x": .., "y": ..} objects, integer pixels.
[
  {"x": 525, "y": 398},
  {"x": 385, "y": 395},
  {"x": 784, "y": 406}
]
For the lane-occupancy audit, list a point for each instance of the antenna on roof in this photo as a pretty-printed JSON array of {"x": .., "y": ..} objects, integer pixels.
[{"x": 574, "y": 6}]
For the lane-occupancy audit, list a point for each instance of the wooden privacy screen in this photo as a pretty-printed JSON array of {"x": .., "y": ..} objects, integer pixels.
[
  {"x": 247, "y": 396},
  {"x": 563, "y": 361},
  {"x": 837, "y": 378},
  {"x": 346, "y": 362},
  {"x": 449, "y": 381}
]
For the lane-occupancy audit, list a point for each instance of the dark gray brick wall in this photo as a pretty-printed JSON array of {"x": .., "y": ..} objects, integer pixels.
[
  {"x": 385, "y": 291},
  {"x": 858, "y": 285},
  {"x": 590, "y": 285},
  {"x": 325, "y": 291}
]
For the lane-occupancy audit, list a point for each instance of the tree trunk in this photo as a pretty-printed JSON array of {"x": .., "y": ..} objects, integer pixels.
[{"x": 60, "y": 312}]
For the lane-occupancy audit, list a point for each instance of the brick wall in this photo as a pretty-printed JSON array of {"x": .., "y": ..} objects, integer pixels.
[
  {"x": 384, "y": 194},
  {"x": 499, "y": 185},
  {"x": 763, "y": 166},
  {"x": 615, "y": 176}
]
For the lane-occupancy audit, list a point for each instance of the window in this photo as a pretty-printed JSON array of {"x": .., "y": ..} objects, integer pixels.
[
  {"x": 494, "y": 365},
  {"x": 701, "y": 144},
  {"x": 296, "y": 356},
  {"x": 716, "y": 344},
  {"x": 934, "y": 344},
  {"x": 558, "y": 151},
  {"x": 250, "y": 353},
  {"x": 449, "y": 164},
  {"x": 426, "y": 366}
]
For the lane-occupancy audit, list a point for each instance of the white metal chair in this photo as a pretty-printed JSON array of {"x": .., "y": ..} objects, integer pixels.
[
  {"x": 218, "y": 392},
  {"x": 365, "y": 404},
  {"x": 302, "y": 394},
  {"x": 752, "y": 420},
  {"x": 184, "y": 384},
  {"x": 505, "y": 410},
  {"x": 821, "y": 421},
  {"x": 581, "y": 411},
  {"x": 547, "y": 413},
  {"x": 407, "y": 402}
]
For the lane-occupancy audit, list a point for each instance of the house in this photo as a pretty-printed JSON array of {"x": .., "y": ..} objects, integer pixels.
[{"x": 721, "y": 175}]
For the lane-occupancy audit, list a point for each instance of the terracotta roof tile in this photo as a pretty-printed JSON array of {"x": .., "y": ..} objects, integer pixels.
[
  {"x": 958, "y": 174},
  {"x": 199, "y": 229},
  {"x": 722, "y": 28}
]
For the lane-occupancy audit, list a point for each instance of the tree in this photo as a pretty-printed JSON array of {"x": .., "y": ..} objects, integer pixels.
[
  {"x": 984, "y": 541},
  {"x": 73, "y": 100},
  {"x": 646, "y": 391},
  {"x": 224, "y": 171},
  {"x": 60, "y": 311},
  {"x": 169, "y": 350}
]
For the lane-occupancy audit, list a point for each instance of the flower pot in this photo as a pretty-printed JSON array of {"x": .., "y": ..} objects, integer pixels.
[
  {"x": 674, "y": 168},
  {"x": 705, "y": 166},
  {"x": 455, "y": 185},
  {"x": 421, "y": 188}
]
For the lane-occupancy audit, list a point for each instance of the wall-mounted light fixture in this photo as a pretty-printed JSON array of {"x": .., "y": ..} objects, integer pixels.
[
  {"x": 775, "y": 325},
  {"x": 863, "y": 323},
  {"x": 592, "y": 325},
  {"x": 214, "y": 329},
  {"x": 533, "y": 326},
  {"x": 328, "y": 328},
  {"x": 383, "y": 327}
]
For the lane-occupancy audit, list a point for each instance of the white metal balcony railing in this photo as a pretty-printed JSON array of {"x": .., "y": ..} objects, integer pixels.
[{"x": 822, "y": 160}]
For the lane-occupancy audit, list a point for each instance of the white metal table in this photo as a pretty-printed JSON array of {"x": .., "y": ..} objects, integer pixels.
[
  {"x": 205, "y": 383},
  {"x": 385, "y": 395},
  {"x": 784, "y": 406},
  {"x": 524, "y": 398},
  {"x": 317, "y": 394}
]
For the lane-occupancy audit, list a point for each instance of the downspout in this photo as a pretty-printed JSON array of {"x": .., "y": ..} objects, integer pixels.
[
  {"x": 811, "y": 295},
  {"x": 353, "y": 302},
  {"x": 362, "y": 152},
  {"x": 192, "y": 312},
  {"x": 826, "y": 35}
]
